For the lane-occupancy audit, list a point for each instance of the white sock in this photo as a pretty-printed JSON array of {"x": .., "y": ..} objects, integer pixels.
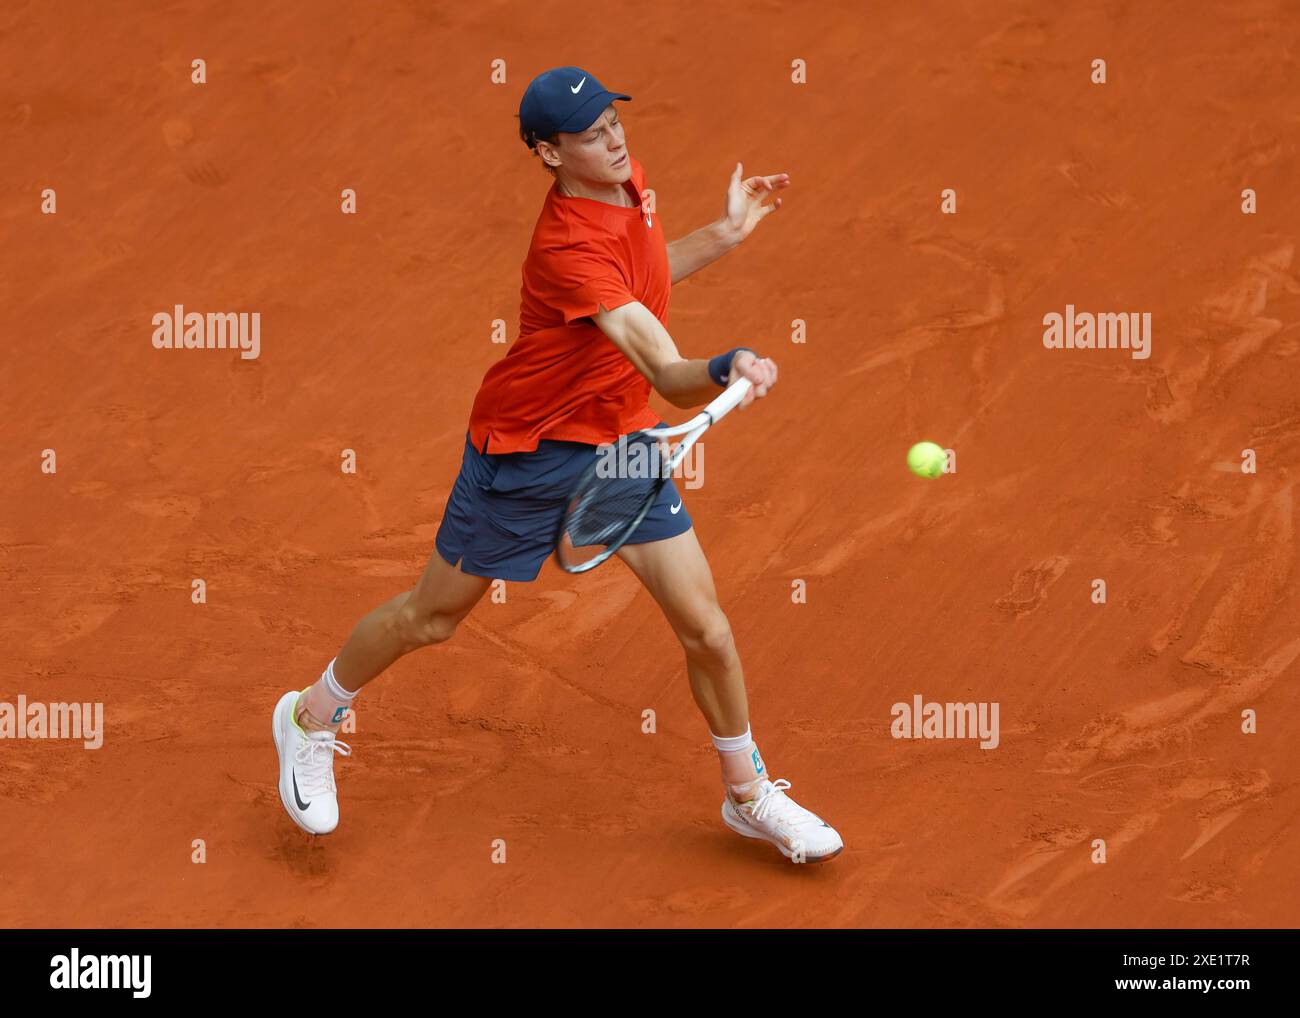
[
  {"x": 326, "y": 701},
  {"x": 742, "y": 766}
]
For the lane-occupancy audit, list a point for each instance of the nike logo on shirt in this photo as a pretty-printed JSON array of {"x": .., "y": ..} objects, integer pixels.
[{"x": 675, "y": 509}]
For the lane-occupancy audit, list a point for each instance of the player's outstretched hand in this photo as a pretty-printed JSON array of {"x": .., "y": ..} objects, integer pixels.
[
  {"x": 761, "y": 372},
  {"x": 745, "y": 208}
]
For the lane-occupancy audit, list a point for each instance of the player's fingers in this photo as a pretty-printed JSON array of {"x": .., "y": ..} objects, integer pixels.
[{"x": 754, "y": 373}]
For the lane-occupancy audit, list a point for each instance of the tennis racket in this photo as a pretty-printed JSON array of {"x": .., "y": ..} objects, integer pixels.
[{"x": 614, "y": 493}]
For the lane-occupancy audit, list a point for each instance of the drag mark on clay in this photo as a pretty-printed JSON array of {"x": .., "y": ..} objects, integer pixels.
[
  {"x": 1172, "y": 631},
  {"x": 1169, "y": 720},
  {"x": 1235, "y": 329},
  {"x": 1078, "y": 172},
  {"x": 1076, "y": 864},
  {"x": 920, "y": 337},
  {"x": 1029, "y": 588},
  {"x": 1254, "y": 592},
  {"x": 1226, "y": 800},
  {"x": 1221, "y": 802}
]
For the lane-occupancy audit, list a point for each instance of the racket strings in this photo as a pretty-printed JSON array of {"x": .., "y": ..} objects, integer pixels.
[
  {"x": 614, "y": 495},
  {"x": 608, "y": 505},
  {"x": 604, "y": 511}
]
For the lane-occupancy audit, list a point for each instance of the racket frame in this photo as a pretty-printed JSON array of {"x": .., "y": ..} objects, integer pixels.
[{"x": 692, "y": 430}]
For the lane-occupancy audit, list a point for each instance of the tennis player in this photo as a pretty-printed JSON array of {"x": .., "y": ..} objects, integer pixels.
[{"x": 592, "y": 343}]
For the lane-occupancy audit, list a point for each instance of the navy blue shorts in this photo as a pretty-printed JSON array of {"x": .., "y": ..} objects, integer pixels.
[{"x": 505, "y": 509}]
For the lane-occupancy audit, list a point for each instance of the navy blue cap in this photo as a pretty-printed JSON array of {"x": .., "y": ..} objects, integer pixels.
[{"x": 566, "y": 99}]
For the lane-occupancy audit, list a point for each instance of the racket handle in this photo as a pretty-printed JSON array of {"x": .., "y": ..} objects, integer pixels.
[{"x": 729, "y": 400}]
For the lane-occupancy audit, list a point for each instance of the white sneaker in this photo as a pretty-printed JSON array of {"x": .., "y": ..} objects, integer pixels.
[
  {"x": 772, "y": 816},
  {"x": 306, "y": 769}
]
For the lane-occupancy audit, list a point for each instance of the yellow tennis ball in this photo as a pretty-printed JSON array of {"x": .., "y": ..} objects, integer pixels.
[{"x": 925, "y": 459}]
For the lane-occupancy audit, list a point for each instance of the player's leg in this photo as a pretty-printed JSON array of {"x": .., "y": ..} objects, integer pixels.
[
  {"x": 425, "y": 615},
  {"x": 676, "y": 573},
  {"x": 304, "y": 723}
]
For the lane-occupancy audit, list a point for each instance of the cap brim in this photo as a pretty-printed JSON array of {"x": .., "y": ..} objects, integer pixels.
[{"x": 586, "y": 114}]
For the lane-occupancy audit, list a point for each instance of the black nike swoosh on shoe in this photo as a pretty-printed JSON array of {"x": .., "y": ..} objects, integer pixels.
[{"x": 296, "y": 797}]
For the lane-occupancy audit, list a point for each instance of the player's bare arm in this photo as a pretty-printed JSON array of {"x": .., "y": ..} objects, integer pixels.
[
  {"x": 642, "y": 338},
  {"x": 746, "y": 206}
]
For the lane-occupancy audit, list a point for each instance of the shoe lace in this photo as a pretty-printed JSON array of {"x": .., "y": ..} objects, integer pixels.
[
  {"x": 316, "y": 755},
  {"x": 775, "y": 803}
]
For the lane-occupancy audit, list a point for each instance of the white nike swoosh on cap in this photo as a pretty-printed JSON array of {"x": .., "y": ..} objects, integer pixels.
[{"x": 578, "y": 87}]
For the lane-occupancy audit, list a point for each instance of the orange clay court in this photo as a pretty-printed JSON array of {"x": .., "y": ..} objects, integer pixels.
[{"x": 1120, "y": 721}]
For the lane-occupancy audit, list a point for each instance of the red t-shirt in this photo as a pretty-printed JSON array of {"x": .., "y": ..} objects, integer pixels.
[{"x": 563, "y": 378}]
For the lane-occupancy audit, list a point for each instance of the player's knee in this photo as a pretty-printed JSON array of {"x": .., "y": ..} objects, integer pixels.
[
  {"x": 418, "y": 628},
  {"x": 435, "y": 628},
  {"x": 710, "y": 637}
]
